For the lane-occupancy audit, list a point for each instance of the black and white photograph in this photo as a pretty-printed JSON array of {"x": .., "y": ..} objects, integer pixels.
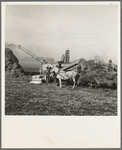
[{"x": 61, "y": 59}]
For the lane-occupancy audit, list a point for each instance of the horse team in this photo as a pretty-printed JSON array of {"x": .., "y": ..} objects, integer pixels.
[{"x": 55, "y": 72}]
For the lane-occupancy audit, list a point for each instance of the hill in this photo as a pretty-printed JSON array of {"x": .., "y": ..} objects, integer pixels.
[{"x": 12, "y": 66}]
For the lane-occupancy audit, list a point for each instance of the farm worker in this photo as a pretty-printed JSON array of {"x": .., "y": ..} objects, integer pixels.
[
  {"x": 59, "y": 65},
  {"x": 81, "y": 65},
  {"x": 110, "y": 66},
  {"x": 67, "y": 56},
  {"x": 62, "y": 58},
  {"x": 80, "y": 68},
  {"x": 53, "y": 75},
  {"x": 48, "y": 74},
  {"x": 40, "y": 70}
]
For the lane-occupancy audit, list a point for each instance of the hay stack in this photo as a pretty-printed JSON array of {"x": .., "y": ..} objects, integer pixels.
[
  {"x": 97, "y": 75},
  {"x": 12, "y": 66}
]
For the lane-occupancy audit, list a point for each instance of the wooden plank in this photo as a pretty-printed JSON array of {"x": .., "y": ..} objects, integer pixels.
[{"x": 70, "y": 66}]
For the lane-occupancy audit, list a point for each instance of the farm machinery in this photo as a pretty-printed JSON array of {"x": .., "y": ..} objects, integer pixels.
[
  {"x": 43, "y": 63},
  {"x": 39, "y": 78},
  {"x": 36, "y": 78},
  {"x": 96, "y": 73},
  {"x": 29, "y": 53}
]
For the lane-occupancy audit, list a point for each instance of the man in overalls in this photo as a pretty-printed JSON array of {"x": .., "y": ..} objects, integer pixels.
[{"x": 67, "y": 56}]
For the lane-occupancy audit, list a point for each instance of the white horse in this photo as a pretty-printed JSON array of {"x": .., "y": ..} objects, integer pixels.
[{"x": 62, "y": 75}]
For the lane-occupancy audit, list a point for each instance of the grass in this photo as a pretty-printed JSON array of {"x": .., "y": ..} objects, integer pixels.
[{"x": 23, "y": 98}]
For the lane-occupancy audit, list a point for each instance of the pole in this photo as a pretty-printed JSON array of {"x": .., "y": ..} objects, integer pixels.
[{"x": 29, "y": 53}]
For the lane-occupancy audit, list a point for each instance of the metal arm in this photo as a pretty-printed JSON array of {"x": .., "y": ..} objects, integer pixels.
[{"x": 29, "y": 53}]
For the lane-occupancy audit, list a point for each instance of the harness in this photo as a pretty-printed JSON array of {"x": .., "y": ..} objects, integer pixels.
[
  {"x": 58, "y": 73},
  {"x": 73, "y": 73},
  {"x": 63, "y": 76}
]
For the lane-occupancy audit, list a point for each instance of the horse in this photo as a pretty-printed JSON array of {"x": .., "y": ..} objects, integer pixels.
[{"x": 62, "y": 75}]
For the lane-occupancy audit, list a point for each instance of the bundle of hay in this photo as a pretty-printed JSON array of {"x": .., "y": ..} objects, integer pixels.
[
  {"x": 97, "y": 75},
  {"x": 12, "y": 66},
  {"x": 37, "y": 79}
]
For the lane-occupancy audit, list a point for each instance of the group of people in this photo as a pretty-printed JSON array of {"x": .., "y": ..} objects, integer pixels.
[{"x": 65, "y": 57}]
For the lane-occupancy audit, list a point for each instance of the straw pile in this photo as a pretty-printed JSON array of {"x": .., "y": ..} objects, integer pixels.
[
  {"x": 96, "y": 74},
  {"x": 12, "y": 66}
]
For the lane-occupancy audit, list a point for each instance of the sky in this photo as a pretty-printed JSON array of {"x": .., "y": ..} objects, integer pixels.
[{"x": 49, "y": 30}]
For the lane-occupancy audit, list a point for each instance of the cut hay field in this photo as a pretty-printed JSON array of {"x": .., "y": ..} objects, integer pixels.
[{"x": 23, "y": 98}]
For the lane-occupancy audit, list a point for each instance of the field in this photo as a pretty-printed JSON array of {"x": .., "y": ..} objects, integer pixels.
[{"x": 23, "y": 98}]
